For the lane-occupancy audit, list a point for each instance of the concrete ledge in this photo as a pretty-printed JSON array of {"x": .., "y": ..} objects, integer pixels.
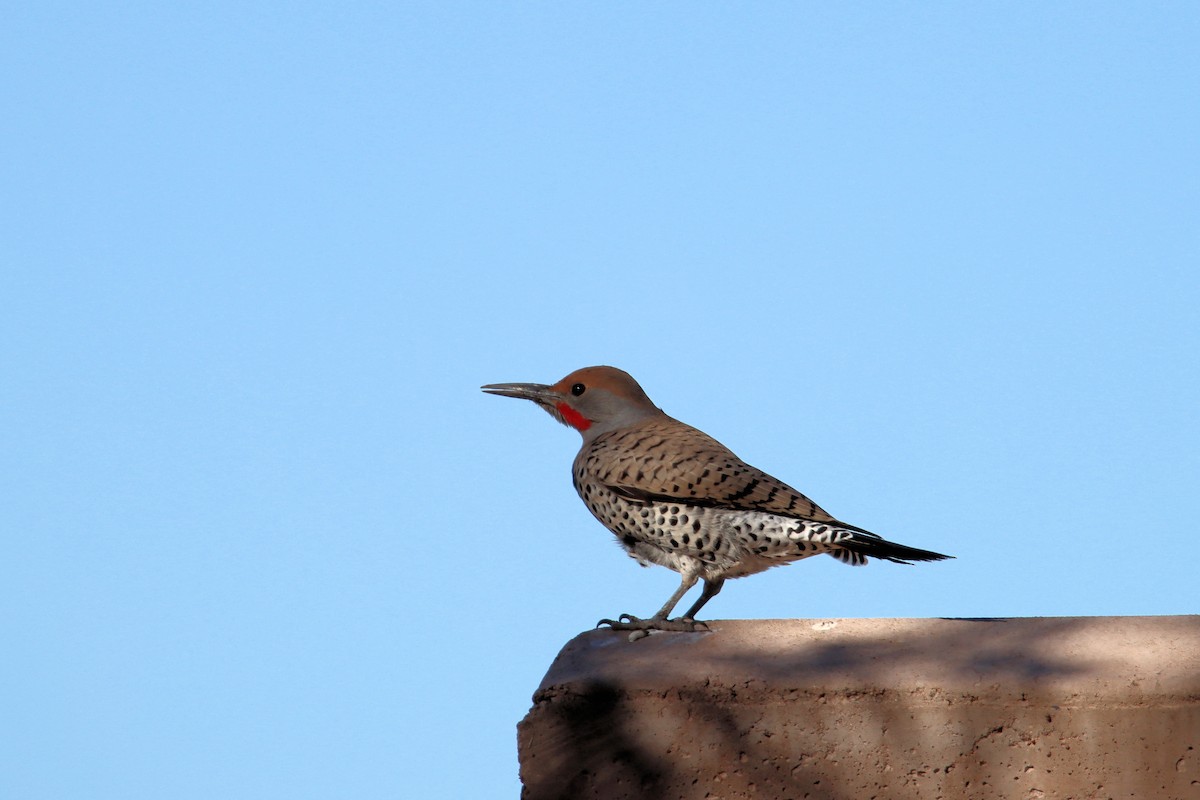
[{"x": 1076, "y": 707}]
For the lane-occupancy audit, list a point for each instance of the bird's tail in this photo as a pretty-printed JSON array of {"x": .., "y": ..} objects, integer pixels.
[{"x": 862, "y": 545}]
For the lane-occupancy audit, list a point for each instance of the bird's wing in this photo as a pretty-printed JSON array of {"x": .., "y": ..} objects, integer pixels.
[{"x": 664, "y": 460}]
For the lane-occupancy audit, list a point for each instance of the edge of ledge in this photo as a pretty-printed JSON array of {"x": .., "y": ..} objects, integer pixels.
[{"x": 1135, "y": 660}]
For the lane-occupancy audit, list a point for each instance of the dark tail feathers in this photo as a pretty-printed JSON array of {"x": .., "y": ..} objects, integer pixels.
[{"x": 873, "y": 546}]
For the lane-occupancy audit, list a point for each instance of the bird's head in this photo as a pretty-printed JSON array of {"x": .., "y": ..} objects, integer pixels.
[{"x": 592, "y": 400}]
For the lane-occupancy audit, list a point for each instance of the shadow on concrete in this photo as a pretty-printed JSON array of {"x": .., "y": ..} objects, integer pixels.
[
  {"x": 595, "y": 754},
  {"x": 1006, "y": 653}
]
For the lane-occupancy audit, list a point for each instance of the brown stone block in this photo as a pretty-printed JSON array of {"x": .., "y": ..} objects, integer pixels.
[{"x": 1070, "y": 708}]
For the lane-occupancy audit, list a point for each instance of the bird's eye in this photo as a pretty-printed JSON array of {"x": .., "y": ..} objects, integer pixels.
[{"x": 578, "y": 389}]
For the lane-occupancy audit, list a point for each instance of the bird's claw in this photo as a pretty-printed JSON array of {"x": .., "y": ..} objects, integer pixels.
[{"x": 628, "y": 622}]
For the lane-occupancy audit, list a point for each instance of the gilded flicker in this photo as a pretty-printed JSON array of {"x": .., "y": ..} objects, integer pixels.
[{"x": 676, "y": 497}]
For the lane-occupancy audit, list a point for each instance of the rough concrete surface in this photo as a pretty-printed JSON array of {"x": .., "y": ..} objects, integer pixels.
[{"x": 1070, "y": 708}]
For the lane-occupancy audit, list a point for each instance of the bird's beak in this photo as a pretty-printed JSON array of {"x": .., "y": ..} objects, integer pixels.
[{"x": 539, "y": 393}]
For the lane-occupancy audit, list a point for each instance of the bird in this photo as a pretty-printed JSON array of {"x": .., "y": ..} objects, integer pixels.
[{"x": 676, "y": 497}]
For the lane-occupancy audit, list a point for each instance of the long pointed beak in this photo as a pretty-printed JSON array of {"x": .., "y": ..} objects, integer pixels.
[{"x": 537, "y": 392}]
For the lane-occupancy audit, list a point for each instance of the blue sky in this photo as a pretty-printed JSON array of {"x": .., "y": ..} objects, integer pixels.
[{"x": 937, "y": 265}]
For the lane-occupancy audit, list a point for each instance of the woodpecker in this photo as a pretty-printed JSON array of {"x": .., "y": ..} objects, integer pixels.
[{"x": 676, "y": 497}]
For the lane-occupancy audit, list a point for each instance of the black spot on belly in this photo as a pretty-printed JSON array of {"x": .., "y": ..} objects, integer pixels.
[{"x": 628, "y": 541}]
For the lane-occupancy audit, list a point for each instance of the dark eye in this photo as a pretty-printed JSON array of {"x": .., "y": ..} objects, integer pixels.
[{"x": 578, "y": 389}]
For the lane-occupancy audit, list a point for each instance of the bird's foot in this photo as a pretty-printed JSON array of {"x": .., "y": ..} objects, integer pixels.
[{"x": 642, "y": 627}]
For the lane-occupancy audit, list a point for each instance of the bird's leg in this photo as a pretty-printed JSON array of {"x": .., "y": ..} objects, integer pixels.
[
  {"x": 711, "y": 590},
  {"x": 687, "y": 580},
  {"x": 659, "y": 622}
]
